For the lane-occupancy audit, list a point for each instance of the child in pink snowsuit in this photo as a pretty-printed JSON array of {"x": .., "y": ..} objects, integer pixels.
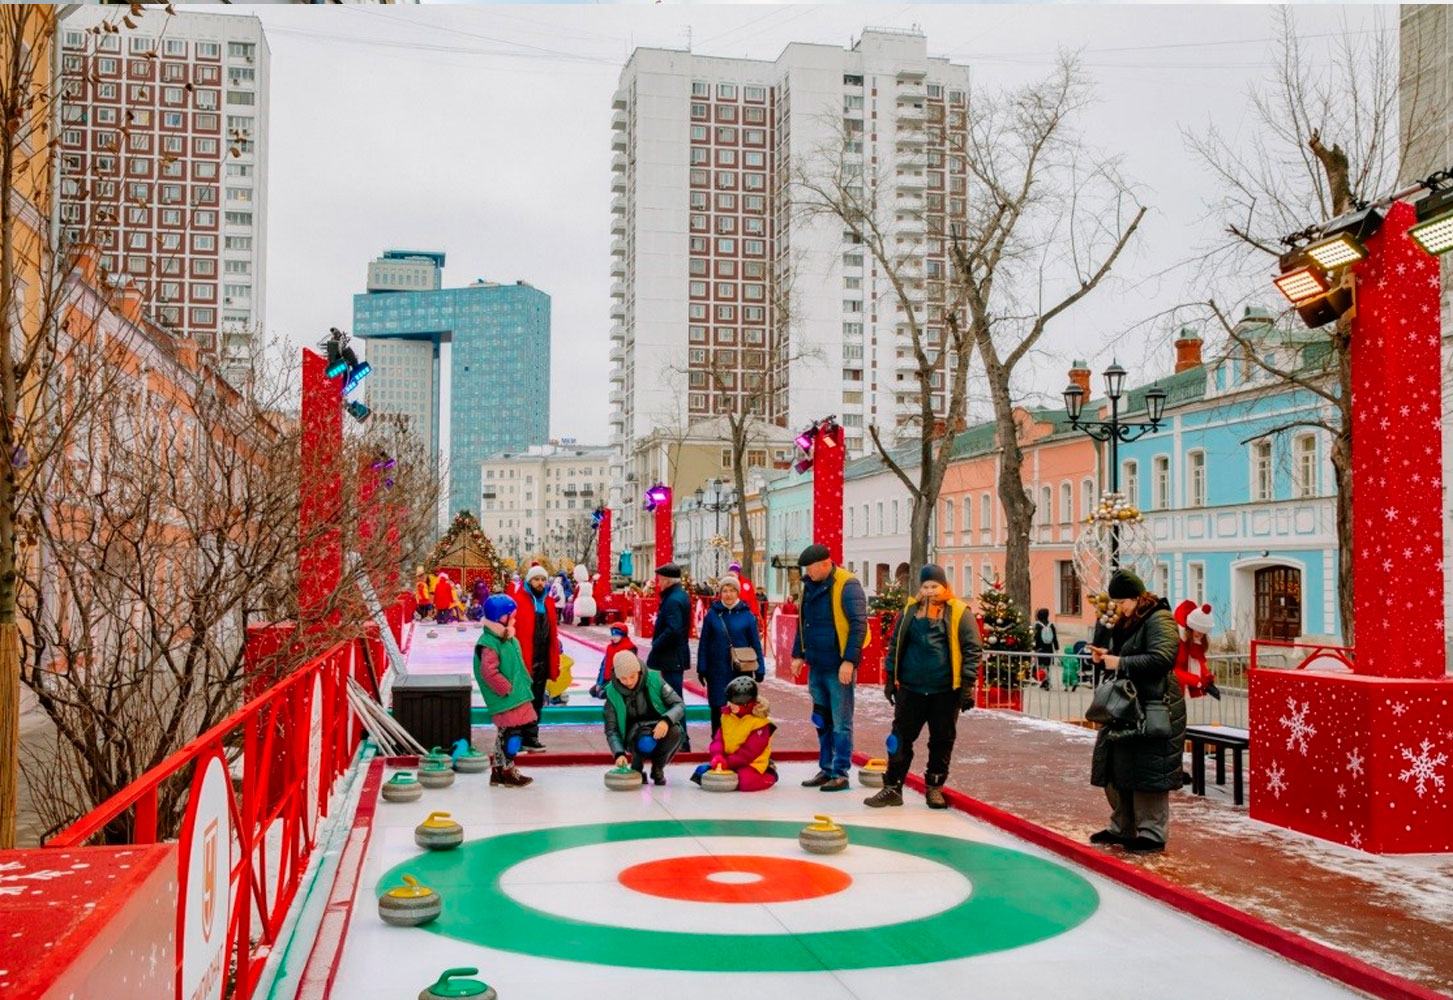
[{"x": 744, "y": 742}]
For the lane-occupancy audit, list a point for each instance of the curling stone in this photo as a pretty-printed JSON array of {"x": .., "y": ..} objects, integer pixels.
[
  {"x": 438, "y": 833},
  {"x": 823, "y": 837},
  {"x": 871, "y": 774},
  {"x": 449, "y": 985},
  {"x": 437, "y": 755},
  {"x": 410, "y": 905},
  {"x": 719, "y": 779},
  {"x": 436, "y": 775},
  {"x": 401, "y": 788},
  {"x": 468, "y": 760},
  {"x": 623, "y": 779},
  {"x": 433, "y": 633}
]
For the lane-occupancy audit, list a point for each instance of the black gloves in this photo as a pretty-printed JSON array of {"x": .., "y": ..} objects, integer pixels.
[
  {"x": 890, "y": 692},
  {"x": 967, "y": 701}
]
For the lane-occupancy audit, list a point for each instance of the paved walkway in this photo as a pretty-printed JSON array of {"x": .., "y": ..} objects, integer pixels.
[{"x": 1393, "y": 912}]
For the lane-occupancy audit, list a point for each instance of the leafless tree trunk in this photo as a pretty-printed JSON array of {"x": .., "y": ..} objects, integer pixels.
[
  {"x": 1049, "y": 224},
  {"x": 1329, "y": 136}
]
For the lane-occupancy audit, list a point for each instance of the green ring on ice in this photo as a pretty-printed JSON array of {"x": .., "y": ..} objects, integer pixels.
[{"x": 1016, "y": 899}]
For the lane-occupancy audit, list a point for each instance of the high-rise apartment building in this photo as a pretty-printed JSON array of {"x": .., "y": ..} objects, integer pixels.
[
  {"x": 468, "y": 367},
  {"x": 728, "y": 294},
  {"x": 163, "y": 150}
]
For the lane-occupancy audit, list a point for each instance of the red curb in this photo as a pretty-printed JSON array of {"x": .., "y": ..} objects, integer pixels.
[
  {"x": 1289, "y": 945},
  {"x": 321, "y": 967}
]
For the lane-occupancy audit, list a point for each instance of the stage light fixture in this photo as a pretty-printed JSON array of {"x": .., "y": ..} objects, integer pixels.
[
  {"x": 357, "y": 410},
  {"x": 1434, "y": 229},
  {"x": 802, "y": 465},
  {"x": 806, "y": 438},
  {"x": 656, "y": 496},
  {"x": 1342, "y": 240},
  {"x": 1302, "y": 284}
]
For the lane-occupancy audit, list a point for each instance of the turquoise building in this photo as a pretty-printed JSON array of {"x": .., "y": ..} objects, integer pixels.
[
  {"x": 468, "y": 367},
  {"x": 1237, "y": 489},
  {"x": 788, "y": 500}
]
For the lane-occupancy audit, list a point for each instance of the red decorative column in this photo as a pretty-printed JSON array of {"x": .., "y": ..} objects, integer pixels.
[
  {"x": 1364, "y": 756},
  {"x": 320, "y": 554},
  {"x": 665, "y": 546},
  {"x": 602, "y": 546},
  {"x": 827, "y": 490}
]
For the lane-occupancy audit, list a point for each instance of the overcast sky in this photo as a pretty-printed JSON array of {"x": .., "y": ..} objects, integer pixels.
[{"x": 484, "y": 131}]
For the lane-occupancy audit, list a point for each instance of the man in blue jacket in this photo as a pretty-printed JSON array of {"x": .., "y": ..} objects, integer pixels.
[
  {"x": 829, "y": 643},
  {"x": 670, "y": 654}
]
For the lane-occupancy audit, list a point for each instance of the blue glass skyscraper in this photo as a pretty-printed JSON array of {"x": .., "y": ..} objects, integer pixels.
[{"x": 469, "y": 367}]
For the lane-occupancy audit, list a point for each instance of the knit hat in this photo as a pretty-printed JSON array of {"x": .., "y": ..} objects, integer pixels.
[
  {"x": 735, "y": 567},
  {"x": 625, "y": 662},
  {"x": 813, "y": 554},
  {"x": 536, "y": 571},
  {"x": 1125, "y": 584},
  {"x": 670, "y": 571},
  {"x": 729, "y": 581},
  {"x": 1200, "y": 620},
  {"x": 934, "y": 572}
]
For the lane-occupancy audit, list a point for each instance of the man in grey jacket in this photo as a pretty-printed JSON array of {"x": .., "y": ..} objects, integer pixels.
[{"x": 644, "y": 717}]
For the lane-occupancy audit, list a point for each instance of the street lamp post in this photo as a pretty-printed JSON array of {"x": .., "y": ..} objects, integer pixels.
[
  {"x": 720, "y": 502},
  {"x": 1114, "y": 430}
]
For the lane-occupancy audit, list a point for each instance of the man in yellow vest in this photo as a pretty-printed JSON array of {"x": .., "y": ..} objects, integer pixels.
[
  {"x": 929, "y": 671},
  {"x": 831, "y": 630}
]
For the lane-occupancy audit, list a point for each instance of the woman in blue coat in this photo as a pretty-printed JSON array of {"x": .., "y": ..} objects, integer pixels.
[{"x": 729, "y": 625}]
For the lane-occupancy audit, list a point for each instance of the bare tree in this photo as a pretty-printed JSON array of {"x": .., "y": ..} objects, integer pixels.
[
  {"x": 1050, "y": 220},
  {"x": 1328, "y": 138},
  {"x": 894, "y": 227}
]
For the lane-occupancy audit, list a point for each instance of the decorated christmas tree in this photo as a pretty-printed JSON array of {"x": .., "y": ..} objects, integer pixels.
[{"x": 1006, "y": 630}]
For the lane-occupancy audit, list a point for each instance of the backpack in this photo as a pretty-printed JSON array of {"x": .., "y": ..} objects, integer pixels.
[{"x": 1046, "y": 634}]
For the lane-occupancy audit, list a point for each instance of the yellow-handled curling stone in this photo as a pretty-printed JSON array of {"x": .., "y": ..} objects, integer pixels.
[
  {"x": 719, "y": 779},
  {"x": 436, "y": 774},
  {"x": 451, "y": 984},
  {"x": 623, "y": 779},
  {"x": 410, "y": 905},
  {"x": 871, "y": 773},
  {"x": 438, "y": 832},
  {"x": 822, "y": 837},
  {"x": 401, "y": 788}
]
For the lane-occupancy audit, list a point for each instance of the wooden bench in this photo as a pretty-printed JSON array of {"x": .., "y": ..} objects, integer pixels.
[{"x": 1223, "y": 738}]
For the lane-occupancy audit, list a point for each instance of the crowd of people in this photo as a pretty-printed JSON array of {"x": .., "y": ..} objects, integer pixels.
[{"x": 931, "y": 664}]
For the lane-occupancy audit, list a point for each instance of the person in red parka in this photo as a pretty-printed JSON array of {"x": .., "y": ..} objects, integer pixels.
[
  {"x": 444, "y": 600},
  {"x": 749, "y": 593},
  {"x": 1195, "y": 677},
  {"x": 538, "y": 630},
  {"x": 620, "y": 642}
]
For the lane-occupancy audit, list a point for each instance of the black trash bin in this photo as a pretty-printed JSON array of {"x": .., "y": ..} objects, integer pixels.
[{"x": 434, "y": 708}]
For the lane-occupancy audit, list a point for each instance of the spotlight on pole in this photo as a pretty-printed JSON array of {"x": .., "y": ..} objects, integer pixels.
[
  {"x": 1342, "y": 239},
  {"x": 357, "y": 371},
  {"x": 1434, "y": 230},
  {"x": 656, "y": 496},
  {"x": 334, "y": 345},
  {"x": 807, "y": 437},
  {"x": 1317, "y": 298},
  {"x": 383, "y": 461},
  {"x": 802, "y": 465},
  {"x": 357, "y": 410}
]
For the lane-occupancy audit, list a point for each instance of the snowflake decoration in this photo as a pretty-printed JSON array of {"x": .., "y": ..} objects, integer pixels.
[
  {"x": 1424, "y": 769},
  {"x": 1341, "y": 791},
  {"x": 1274, "y": 780},
  {"x": 1356, "y": 839},
  {"x": 1398, "y": 708},
  {"x": 1298, "y": 729}
]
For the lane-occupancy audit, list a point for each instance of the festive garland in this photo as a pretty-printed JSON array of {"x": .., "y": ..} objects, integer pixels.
[{"x": 1114, "y": 507}]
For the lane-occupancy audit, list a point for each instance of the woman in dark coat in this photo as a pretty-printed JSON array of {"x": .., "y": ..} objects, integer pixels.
[
  {"x": 728, "y": 623},
  {"x": 1139, "y": 772}
]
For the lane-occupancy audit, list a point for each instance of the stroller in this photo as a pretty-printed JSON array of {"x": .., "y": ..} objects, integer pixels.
[{"x": 1070, "y": 665}]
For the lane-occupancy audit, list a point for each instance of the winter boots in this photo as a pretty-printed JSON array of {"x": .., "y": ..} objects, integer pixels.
[
  {"x": 509, "y": 777},
  {"x": 888, "y": 795},
  {"x": 933, "y": 791}
]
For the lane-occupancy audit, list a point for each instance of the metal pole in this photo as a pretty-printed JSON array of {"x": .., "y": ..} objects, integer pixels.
[{"x": 1114, "y": 480}]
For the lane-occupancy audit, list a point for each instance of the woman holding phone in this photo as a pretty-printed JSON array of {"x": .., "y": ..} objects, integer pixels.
[{"x": 1139, "y": 771}]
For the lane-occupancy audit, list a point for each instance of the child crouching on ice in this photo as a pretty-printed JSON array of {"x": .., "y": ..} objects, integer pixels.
[
  {"x": 499, "y": 667},
  {"x": 744, "y": 742}
]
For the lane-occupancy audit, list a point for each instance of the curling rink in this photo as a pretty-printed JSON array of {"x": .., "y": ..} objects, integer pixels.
[{"x": 568, "y": 890}]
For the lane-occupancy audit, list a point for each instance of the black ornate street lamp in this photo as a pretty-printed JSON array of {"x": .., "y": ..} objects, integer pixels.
[
  {"x": 719, "y": 503},
  {"x": 1114, "y": 430}
]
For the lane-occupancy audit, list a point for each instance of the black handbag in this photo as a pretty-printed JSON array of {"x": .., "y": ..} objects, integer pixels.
[
  {"x": 1157, "y": 721},
  {"x": 1114, "y": 704}
]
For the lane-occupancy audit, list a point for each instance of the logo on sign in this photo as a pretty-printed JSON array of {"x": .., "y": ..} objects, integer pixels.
[{"x": 209, "y": 879}]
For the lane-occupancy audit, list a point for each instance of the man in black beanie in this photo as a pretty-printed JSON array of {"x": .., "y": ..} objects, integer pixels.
[
  {"x": 929, "y": 673},
  {"x": 832, "y": 626},
  {"x": 1139, "y": 767}
]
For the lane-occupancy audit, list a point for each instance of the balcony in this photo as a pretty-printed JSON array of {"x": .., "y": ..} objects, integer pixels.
[
  {"x": 616, "y": 397},
  {"x": 910, "y": 91},
  {"x": 619, "y": 162},
  {"x": 618, "y": 204},
  {"x": 618, "y": 354},
  {"x": 618, "y": 180},
  {"x": 617, "y": 376},
  {"x": 912, "y": 73},
  {"x": 621, "y": 99},
  {"x": 618, "y": 290},
  {"x": 618, "y": 310},
  {"x": 616, "y": 439},
  {"x": 617, "y": 267},
  {"x": 912, "y": 113},
  {"x": 618, "y": 227},
  {"x": 618, "y": 119},
  {"x": 618, "y": 331},
  {"x": 911, "y": 181},
  {"x": 618, "y": 140}
]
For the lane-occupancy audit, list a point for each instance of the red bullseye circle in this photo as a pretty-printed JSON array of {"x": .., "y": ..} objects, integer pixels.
[{"x": 772, "y": 880}]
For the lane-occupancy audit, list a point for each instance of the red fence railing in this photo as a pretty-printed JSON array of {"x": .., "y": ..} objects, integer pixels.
[{"x": 284, "y": 750}]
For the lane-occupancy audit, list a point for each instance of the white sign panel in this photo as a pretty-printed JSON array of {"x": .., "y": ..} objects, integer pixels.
[{"x": 206, "y": 899}]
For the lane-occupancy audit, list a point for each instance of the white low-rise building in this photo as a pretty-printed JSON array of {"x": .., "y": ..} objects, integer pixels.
[{"x": 538, "y": 502}]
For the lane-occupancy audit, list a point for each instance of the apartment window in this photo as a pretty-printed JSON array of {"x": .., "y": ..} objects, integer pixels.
[
  {"x": 700, "y": 88},
  {"x": 726, "y": 92},
  {"x": 1066, "y": 504},
  {"x": 206, "y": 147},
  {"x": 239, "y": 243},
  {"x": 726, "y": 290},
  {"x": 1196, "y": 479},
  {"x": 698, "y": 133},
  {"x": 1262, "y": 485},
  {"x": 880, "y": 517},
  {"x": 1160, "y": 474},
  {"x": 1304, "y": 450},
  {"x": 175, "y": 47},
  {"x": 1130, "y": 480},
  {"x": 202, "y": 243},
  {"x": 171, "y": 217},
  {"x": 239, "y": 194},
  {"x": 241, "y": 50},
  {"x": 203, "y": 317},
  {"x": 1069, "y": 587},
  {"x": 697, "y": 289},
  {"x": 236, "y": 97},
  {"x": 756, "y": 93},
  {"x": 948, "y": 520},
  {"x": 1196, "y": 582},
  {"x": 239, "y": 218},
  {"x": 1162, "y": 579},
  {"x": 986, "y": 513},
  {"x": 170, "y": 241},
  {"x": 754, "y": 159},
  {"x": 204, "y": 267}
]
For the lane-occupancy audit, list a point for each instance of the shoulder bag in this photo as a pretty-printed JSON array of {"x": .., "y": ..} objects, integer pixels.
[
  {"x": 1114, "y": 704},
  {"x": 744, "y": 658}
]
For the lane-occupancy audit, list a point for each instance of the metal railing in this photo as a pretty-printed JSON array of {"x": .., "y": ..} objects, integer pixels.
[
  {"x": 271, "y": 746},
  {"x": 1059, "y": 686}
]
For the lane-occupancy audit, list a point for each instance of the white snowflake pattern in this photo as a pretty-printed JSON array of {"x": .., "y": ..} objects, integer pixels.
[
  {"x": 1275, "y": 782},
  {"x": 1356, "y": 839},
  {"x": 1298, "y": 728},
  {"x": 1398, "y": 708},
  {"x": 1424, "y": 769},
  {"x": 1341, "y": 791},
  {"x": 1355, "y": 762}
]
